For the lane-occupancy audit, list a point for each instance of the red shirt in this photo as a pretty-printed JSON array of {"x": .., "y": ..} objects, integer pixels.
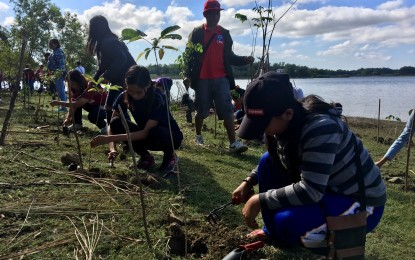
[
  {"x": 94, "y": 97},
  {"x": 213, "y": 66}
]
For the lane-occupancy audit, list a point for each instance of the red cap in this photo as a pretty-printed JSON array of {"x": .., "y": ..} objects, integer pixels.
[{"x": 211, "y": 5}]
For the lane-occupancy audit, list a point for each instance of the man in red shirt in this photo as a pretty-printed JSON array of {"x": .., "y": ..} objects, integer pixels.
[{"x": 210, "y": 73}]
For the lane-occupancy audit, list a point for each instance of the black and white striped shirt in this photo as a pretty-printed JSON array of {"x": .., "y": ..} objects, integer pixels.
[{"x": 327, "y": 163}]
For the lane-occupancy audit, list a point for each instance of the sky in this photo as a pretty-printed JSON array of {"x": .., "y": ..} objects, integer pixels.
[{"x": 325, "y": 34}]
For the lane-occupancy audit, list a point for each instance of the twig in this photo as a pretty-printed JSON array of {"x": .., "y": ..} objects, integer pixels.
[
  {"x": 24, "y": 222},
  {"x": 140, "y": 185}
]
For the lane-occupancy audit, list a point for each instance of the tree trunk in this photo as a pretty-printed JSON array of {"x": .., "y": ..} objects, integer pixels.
[{"x": 15, "y": 92}]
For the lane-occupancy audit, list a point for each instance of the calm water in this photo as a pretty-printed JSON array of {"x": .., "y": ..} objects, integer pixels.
[{"x": 359, "y": 95}]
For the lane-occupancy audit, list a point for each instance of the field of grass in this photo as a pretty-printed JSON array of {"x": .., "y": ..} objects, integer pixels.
[{"x": 48, "y": 212}]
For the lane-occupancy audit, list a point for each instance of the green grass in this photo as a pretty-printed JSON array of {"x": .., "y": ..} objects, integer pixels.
[{"x": 38, "y": 195}]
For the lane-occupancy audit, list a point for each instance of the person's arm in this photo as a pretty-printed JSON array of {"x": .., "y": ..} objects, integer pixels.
[
  {"x": 234, "y": 59},
  {"x": 135, "y": 136},
  {"x": 399, "y": 143}
]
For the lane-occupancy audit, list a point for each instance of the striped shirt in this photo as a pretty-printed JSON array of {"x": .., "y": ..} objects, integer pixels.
[{"x": 327, "y": 163}]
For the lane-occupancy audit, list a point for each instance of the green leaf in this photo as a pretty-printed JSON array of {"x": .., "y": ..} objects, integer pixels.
[
  {"x": 169, "y": 30},
  {"x": 147, "y": 53},
  {"x": 170, "y": 47},
  {"x": 241, "y": 17},
  {"x": 173, "y": 36},
  {"x": 136, "y": 38},
  {"x": 128, "y": 34},
  {"x": 161, "y": 54},
  {"x": 139, "y": 55}
]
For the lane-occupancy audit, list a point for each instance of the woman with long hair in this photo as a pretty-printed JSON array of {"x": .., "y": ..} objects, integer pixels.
[
  {"x": 113, "y": 56},
  {"x": 314, "y": 167},
  {"x": 154, "y": 127},
  {"x": 91, "y": 100}
]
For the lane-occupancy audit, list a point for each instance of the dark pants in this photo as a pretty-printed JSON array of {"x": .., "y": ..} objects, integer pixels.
[
  {"x": 96, "y": 115},
  {"x": 158, "y": 138}
]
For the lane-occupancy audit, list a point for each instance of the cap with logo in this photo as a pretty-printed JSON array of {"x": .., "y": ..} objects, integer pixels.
[{"x": 267, "y": 96}]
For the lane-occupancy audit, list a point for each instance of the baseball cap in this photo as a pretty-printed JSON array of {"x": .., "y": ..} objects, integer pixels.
[
  {"x": 267, "y": 96},
  {"x": 211, "y": 5}
]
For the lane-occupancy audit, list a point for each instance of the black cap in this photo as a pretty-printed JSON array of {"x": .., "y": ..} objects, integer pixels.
[{"x": 265, "y": 97}]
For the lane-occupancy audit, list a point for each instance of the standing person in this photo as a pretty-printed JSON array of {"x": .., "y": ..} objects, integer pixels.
[
  {"x": 211, "y": 73},
  {"x": 91, "y": 100},
  {"x": 114, "y": 59},
  {"x": 29, "y": 77},
  {"x": 39, "y": 75},
  {"x": 79, "y": 67},
  {"x": 311, "y": 169},
  {"x": 151, "y": 131},
  {"x": 57, "y": 66},
  {"x": 399, "y": 143}
]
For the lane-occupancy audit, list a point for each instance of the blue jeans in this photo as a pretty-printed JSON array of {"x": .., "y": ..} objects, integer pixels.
[
  {"x": 60, "y": 88},
  {"x": 288, "y": 226}
]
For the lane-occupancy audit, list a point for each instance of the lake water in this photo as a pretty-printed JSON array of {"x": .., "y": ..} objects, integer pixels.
[{"x": 359, "y": 95}]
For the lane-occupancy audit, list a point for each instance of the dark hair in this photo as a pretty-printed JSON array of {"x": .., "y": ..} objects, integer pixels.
[
  {"x": 76, "y": 76},
  {"x": 284, "y": 149},
  {"x": 98, "y": 30},
  {"x": 139, "y": 76},
  {"x": 55, "y": 41}
]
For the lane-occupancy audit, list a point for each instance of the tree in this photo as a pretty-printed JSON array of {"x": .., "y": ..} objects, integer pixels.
[
  {"x": 73, "y": 35},
  {"x": 38, "y": 18}
]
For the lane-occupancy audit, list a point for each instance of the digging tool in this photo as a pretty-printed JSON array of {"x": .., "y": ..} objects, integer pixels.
[
  {"x": 213, "y": 216},
  {"x": 237, "y": 253}
]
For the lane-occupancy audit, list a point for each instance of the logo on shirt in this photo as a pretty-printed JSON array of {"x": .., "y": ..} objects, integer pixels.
[{"x": 219, "y": 39}]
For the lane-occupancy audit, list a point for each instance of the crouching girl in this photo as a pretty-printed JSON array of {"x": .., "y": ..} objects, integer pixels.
[
  {"x": 315, "y": 167},
  {"x": 153, "y": 123},
  {"x": 90, "y": 100}
]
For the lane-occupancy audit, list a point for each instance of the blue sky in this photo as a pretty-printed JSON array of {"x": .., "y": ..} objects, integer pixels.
[{"x": 328, "y": 34}]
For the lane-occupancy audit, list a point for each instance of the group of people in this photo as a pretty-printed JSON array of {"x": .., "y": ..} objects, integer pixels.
[{"x": 313, "y": 162}]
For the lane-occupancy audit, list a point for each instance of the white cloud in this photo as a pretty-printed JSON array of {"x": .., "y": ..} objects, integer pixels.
[
  {"x": 4, "y": 7},
  {"x": 127, "y": 15},
  {"x": 390, "y": 5},
  {"x": 372, "y": 56},
  {"x": 338, "y": 49},
  {"x": 8, "y": 21},
  {"x": 236, "y": 3}
]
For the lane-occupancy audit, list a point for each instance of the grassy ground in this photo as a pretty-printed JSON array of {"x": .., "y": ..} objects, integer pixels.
[{"x": 48, "y": 212}]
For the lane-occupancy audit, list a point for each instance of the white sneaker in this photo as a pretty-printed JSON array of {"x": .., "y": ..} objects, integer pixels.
[
  {"x": 238, "y": 147},
  {"x": 74, "y": 127},
  {"x": 199, "y": 140}
]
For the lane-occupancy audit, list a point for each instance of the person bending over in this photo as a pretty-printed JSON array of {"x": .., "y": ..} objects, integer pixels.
[
  {"x": 151, "y": 131},
  {"x": 91, "y": 100},
  {"x": 310, "y": 169}
]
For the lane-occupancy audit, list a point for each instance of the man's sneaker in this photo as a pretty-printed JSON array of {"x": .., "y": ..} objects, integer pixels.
[
  {"x": 75, "y": 127},
  {"x": 146, "y": 162},
  {"x": 238, "y": 147},
  {"x": 199, "y": 140},
  {"x": 62, "y": 109}
]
